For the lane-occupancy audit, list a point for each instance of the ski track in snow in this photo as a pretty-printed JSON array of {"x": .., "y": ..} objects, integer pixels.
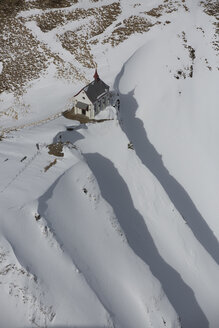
[
  {"x": 21, "y": 171},
  {"x": 27, "y": 125}
]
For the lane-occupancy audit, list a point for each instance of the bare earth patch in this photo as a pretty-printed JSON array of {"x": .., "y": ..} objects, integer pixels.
[
  {"x": 47, "y": 4},
  {"x": 46, "y": 168},
  {"x": 211, "y": 8},
  {"x": 129, "y": 26},
  {"x": 167, "y": 7},
  {"x": 81, "y": 118},
  {"x": 20, "y": 63},
  {"x": 56, "y": 149},
  {"x": 156, "y": 12},
  {"x": 78, "y": 42},
  {"x": 24, "y": 57}
]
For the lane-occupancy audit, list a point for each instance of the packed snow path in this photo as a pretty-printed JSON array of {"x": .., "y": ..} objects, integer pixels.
[{"x": 27, "y": 125}]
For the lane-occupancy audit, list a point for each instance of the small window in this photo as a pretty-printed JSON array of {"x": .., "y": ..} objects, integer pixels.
[
  {"x": 83, "y": 97},
  {"x": 83, "y": 111}
]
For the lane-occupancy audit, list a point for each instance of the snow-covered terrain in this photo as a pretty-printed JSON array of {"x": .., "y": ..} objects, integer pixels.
[{"x": 109, "y": 224}]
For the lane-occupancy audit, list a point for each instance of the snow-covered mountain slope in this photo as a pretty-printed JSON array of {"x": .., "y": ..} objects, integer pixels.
[
  {"x": 110, "y": 224},
  {"x": 76, "y": 251},
  {"x": 183, "y": 108}
]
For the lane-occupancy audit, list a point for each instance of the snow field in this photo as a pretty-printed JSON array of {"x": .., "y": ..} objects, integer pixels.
[{"x": 125, "y": 238}]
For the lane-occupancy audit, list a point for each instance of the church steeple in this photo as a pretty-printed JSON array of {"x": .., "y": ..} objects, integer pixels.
[{"x": 96, "y": 76}]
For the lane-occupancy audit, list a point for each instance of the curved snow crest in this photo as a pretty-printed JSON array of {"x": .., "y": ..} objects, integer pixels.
[
  {"x": 178, "y": 95},
  {"x": 45, "y": 293},
  {"x": 173, "y": 116},
  {"x": 21, "y": 292},
  {"x": 108, "y": 114},
  {"x": 86, "y": 226}
]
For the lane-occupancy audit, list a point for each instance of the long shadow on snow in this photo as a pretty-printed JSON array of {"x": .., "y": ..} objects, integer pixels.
[
  {"x": 115, "y": 191},
  {"x": 72, "y": 326},
  {"x": 71, "y": 136},
  {"x": 135, "y": 131},
  {"x": 77, "y": 326}
]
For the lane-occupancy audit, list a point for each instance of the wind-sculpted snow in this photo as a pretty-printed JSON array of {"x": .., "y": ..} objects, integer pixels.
[
  {"x": 179, "y": 117},
  {"x": 88, "y": 230},
  {"x": 152, "y": 101},
  {"x": 111, "y": 224},
  {"x": 40, "y": 285},
  {"x": 135, "y": 130},
  {"x": 152, "y": 225},
  {"x": 115, "y": 191}
]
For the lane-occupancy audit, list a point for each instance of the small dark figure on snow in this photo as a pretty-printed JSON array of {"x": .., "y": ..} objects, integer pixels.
[{"x": 130, "y": 145}]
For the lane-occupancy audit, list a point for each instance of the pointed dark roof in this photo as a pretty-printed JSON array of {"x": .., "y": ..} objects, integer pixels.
[{"x": 95, "y": 89}]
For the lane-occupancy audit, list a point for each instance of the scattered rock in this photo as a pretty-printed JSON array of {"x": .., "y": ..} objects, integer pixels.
[
  {"x": 180, "y": 74},
  {"x": 46, "y": 168},
  {"x": 191, "y": 71},
  {"x": 23, "y": 159},
  {"x": 191, "y": 53},
  {"x": 37, "y": 216},
  {"x": 130, "y": 145},
  {"x": 56, "y": 149}
]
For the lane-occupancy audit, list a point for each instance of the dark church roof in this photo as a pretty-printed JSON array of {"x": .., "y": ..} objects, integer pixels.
[{"x": 95, "y": 89}]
